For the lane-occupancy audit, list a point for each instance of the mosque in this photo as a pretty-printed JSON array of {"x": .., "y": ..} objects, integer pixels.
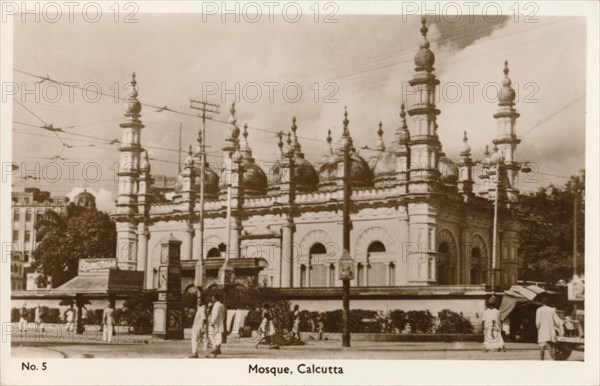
[{"x": 419, "y": 230}]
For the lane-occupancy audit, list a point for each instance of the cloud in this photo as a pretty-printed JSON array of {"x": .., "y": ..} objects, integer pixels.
[
  {"x": 466, "y": 31},
  {"x": 104, "y": 198}
]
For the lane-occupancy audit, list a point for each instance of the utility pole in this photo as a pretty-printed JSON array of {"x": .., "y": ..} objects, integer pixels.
[
  {"x": 179, "y": 154},
  {"x": 205, "y": 108},
  {"x": 346, "y": 263},
  {"x": 575, "y": 231}
]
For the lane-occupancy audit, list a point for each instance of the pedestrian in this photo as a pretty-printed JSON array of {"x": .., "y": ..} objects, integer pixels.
[
  {"x": 200, "y": 329},
  {"x": 492, "y": 327},
  {"x": 547, "y": 322},
  {"x": 84, "y": 317},
  {"x": 266, "y": 330},
  {"x": 296, "y": 326},
  {"x": 108, "y": 321},
  {"x": 37, "y": 317},
  {"x": 23, "y": 318},
  {"x": 70, "y": 318},
  {"x": 216, "y": 326},
  {"x": 320, "y": 326}
]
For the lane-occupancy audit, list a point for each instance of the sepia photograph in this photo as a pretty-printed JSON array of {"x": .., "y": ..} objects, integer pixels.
[{"x": 299, "y": 192}]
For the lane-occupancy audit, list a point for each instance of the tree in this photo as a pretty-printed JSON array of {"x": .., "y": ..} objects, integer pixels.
[
  {"x": 546, "y": 243},
  {"x": 64, "y": 239}
]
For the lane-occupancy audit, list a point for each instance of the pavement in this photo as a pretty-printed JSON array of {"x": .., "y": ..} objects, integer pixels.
[{"x": 90, "y": 345}]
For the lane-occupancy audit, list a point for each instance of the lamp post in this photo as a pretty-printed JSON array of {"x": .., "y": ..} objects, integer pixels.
[
  {"x": 346, "y": 263},
  {"x": 495, "y": 165}
]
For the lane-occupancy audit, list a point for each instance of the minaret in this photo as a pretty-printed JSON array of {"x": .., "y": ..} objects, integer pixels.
[
  {"x": 465, "y": 179},
  {"x": 506, "y": 136},
  {"x": 144, "y": 202},
  {"x": 379, "y": 147},
  {"x": 128, "y": 176},
  {"x": 402, "y": 149},
  {"x": 424, "y": 140},
  {"x": 424, "y": 175},
  {"x": 232, "y": 133}
]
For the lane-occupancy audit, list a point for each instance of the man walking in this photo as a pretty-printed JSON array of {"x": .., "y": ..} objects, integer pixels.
[
  {"x": 199, "y": 329},
  {"x": 296, "y": 325},
  {"x": 547, "y": 321},
  {"x": 217, "y": 326},
  {"x": 23, "y": 318},
  {"x": 70, "y": 317}
]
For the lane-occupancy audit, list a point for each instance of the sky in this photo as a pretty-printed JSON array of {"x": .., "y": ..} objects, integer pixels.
[{"x": 362, "y": 62}]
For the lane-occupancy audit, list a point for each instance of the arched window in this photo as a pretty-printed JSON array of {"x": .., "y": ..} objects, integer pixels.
[
  {"x": 318, "y": 249},
  {"x": 213, "y": 253},
  {"x": 302, "y": 275},
  {"x": 376, "y": 246},
  {"x": 443, "y": 273},
  {"x": 331, "y": 275},
  {"x": 359, "y": 275},
  {"x": 222, "y": 247},
  {"x": 476, "y": 265}
]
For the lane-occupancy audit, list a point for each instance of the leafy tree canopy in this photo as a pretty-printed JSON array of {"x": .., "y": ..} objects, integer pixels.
[
  {"x": 546, "y": 243},
  {"x": 64, "y": 239}
]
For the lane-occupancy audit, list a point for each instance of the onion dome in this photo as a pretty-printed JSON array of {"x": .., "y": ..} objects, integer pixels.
[
  {"x": 211, "y": 179},
  {"x": 424, "y": 59},
  {"x": 85, "y": 199},
  {"x": 254, "y": 179},
  {"x": 465, "y": 149},
  {"x": 306, "y": 177},
  {"x": 387, "y": 162},
  {"x": 134, "y": 106},
  {"x": 361, "y": 174},
  {"x": 507, "y": 94},
  {"x": 448, "y": 170}
]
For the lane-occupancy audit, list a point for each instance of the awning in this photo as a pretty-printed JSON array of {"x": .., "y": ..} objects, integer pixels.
[
  {"x": 107, "y": 281},
  {"x": 518, "y": 294}
]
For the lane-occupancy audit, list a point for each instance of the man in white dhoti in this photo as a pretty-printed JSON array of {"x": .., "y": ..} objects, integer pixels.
[
  {"x": 492, "y": 327},
  {"x": 108, "y": 321},
  {"x": 216, "y": 326},
  {"x": 200, "y": 329},
  {"x": 547, "y": 322}
]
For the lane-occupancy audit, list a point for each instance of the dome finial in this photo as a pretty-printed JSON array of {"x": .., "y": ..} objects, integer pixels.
[
  {"x": 346, "y": 121},
  {"x": 296, "y": 144},
  {"x": 465, "y": 150},
  {"x": 380, "y": 146},
  {"x": 506, "y": 70},
  {"x": 487, "y": 151},
  {"x": 245, "y": 149},
  {"x": 403, "y": 116},
  {"x": 232, "y": 118},
  {"x": 280, "y": 142},
  {"x": 424, "y": 28}
]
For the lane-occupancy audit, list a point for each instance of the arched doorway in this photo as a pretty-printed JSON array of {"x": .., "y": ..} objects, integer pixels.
[
  {"x": 447, "y": 257},
  {"x": 317, "y": 276},
  {"x": 375, "y": 271}
]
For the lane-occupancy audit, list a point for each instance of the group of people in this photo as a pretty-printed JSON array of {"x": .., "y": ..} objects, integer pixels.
[
  {"x": 208, "y": 328},
  {"x": 548, "y": 323}
]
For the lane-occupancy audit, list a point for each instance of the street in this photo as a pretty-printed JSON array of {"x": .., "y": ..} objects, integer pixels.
[{"x": 143, "y": 346}]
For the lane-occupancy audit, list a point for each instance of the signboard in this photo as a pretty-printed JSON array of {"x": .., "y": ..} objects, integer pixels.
[
  {"x": 94, "y": 265},
  {"x": 576, "y": 289},
  {"x": 346, "y": 266}
]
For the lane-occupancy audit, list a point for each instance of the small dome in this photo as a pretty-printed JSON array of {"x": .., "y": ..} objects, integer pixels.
[
  {"x": 465, "y": 148},
  {"x": 385, "y": 165},
  {"x": 85, "y": 199},
  {"x": 361, "y": 174},
  {"x": 134, "y": 107},
  {"x": 254, "y": 179},
  {"x": 211, "y": 181},
  {"x": 306, "y": 175},
  {"x": 424, "y": 57},
  {"x": 448, "y": 170}
]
